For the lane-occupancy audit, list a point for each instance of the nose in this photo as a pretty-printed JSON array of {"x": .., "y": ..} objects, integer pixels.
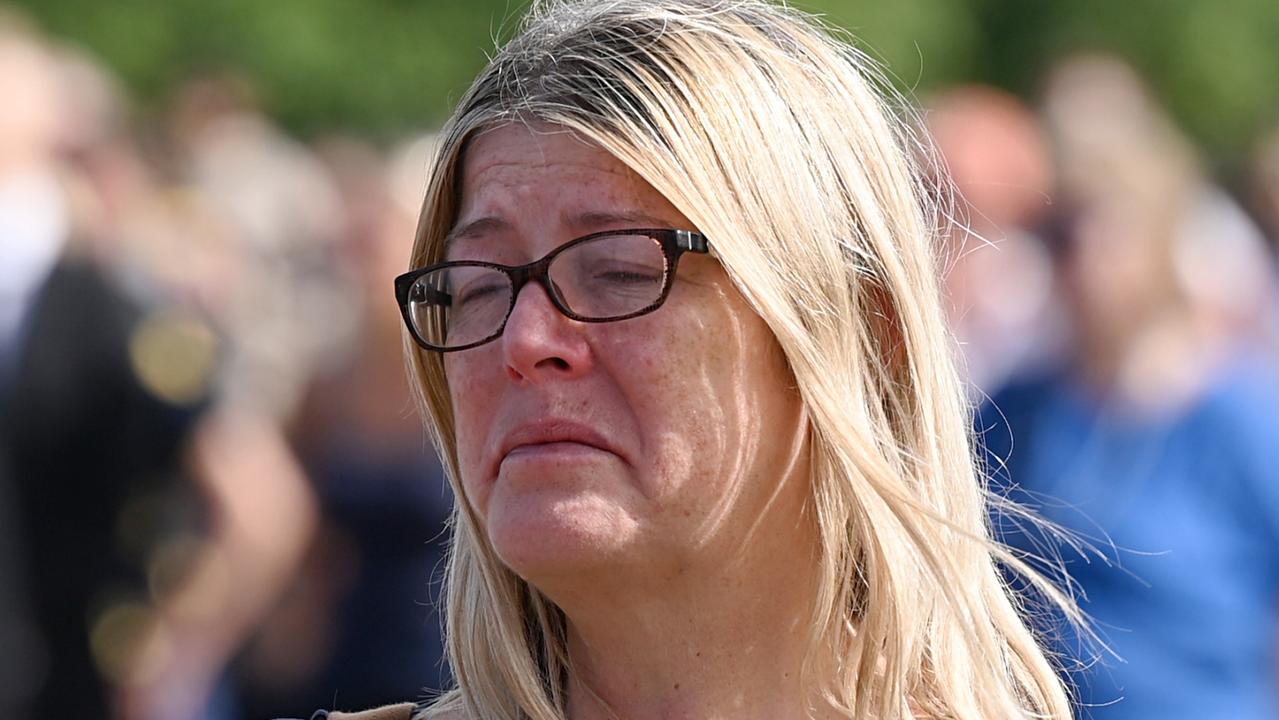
[{"x": 541, "y": 343}]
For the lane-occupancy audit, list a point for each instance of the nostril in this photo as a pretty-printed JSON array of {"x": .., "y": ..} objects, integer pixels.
[{"x": 550, "y": 363}]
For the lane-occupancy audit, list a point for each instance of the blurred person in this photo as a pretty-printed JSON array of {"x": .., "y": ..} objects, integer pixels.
[
  {"x": 32, "y": 222},
  {"x": 1264, "y": 195},
  {"x": 108, "y": 414},
  {"x": 1204, "y": 260},
  {"x": 1154, "y": 440},
  {"x": 1264, "y": 186},
  {"x": 283, "y": 210},
  {"x": 360, "y": 627},
  {"x": 34, "y": 208},
  {"x": 211, "y": 585},
  {"x": 675, "y": 322},
  {"x": 999, "y": 286},
  {"x": 18, "y": 684}
]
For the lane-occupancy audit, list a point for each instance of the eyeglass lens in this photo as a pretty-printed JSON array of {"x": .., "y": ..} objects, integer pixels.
[{"x": 604, "y": 278}]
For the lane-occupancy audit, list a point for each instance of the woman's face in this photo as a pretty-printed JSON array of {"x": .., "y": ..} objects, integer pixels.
[{"x": 662, "y": 440}]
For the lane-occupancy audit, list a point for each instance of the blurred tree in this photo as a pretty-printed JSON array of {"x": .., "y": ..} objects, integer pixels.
[
  {"x": 386, "y": 66},
  {"x": 380, "y": 66}
]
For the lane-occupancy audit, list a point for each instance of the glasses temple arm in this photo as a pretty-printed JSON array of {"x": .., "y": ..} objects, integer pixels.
[{"x": 691, "y": 241}]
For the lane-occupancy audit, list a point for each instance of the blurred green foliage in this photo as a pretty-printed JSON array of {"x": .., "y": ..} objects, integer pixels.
[{"x": 388, "y": 66}]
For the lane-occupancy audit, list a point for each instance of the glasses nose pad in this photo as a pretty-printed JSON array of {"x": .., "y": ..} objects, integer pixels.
[
  {"x": 557, "y": 295},
  {"x": 527, "y": 294},
  {"x": 553, "y": 292}
]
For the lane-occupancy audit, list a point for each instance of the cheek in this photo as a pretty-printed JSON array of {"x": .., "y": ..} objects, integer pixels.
[
  {"x": 474, "y": 403},
  {"x": 680, "y": 383}
]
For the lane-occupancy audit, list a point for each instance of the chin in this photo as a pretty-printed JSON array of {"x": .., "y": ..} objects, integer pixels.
[{"x": 545, "y": 532}]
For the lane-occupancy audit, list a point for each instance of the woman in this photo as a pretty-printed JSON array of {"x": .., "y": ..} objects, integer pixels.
[{"x": 677, "y": 329}]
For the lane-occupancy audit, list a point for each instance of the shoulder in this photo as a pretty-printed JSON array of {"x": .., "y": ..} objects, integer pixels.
[
  {"x": 401, "y": 711},
  {"x": 448, "y": 707}
]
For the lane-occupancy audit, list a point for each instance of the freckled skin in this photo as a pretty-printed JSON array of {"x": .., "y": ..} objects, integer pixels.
[{"x": 695, "y": 396}]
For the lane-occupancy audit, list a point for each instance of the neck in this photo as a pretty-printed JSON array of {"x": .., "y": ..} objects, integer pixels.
[{"x": 726, "y": 641}]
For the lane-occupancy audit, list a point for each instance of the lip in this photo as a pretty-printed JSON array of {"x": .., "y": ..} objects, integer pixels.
[{"x": 547, "y": 433}]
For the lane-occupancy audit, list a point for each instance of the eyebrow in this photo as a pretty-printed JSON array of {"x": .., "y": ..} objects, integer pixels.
[
  {"x": 593, "y": 220},
  {"x": 475, "y": 228}
]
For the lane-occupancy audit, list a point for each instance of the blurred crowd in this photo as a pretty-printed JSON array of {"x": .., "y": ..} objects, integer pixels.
[{"x": 217, "y": 501}]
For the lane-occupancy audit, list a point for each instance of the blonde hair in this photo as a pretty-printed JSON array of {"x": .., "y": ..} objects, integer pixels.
[{"x": 775, "y": 140}]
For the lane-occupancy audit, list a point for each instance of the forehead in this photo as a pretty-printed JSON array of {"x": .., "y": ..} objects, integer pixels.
[
  {"x": 535, "y": 146},
  {"x": 541, "y": 176}
]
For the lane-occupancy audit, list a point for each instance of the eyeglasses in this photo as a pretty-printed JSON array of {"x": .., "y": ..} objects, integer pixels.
[{"x": 601, "y": 277}]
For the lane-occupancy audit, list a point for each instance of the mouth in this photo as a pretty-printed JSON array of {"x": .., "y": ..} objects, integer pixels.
[
  {"x": 554, "y": 439},
  {"x": 548, "y": 450}
]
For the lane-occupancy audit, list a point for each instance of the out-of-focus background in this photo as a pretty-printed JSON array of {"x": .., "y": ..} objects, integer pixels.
[{"x": 216, "y": 500}]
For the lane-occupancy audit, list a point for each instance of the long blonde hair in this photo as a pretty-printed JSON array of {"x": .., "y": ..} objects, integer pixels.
[{"x": 776, "y": 141}]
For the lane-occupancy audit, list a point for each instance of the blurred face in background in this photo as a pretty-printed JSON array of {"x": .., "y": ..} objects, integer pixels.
[
  {"x": 1115, "y": 260},
  {"x": 657, "y": 442},
  {"x": 1265, "y": 185},
  {"x": 1127, "y": 181},
  {"x": 30, "y": 111}
]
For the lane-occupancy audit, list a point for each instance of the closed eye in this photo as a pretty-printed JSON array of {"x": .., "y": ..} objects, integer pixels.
[
  {"x": 628, "y": 276},
  {"x": 480, "y": 292}
]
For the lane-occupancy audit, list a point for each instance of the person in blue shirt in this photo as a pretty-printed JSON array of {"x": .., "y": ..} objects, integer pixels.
[{"x": 1155, "y": 442}]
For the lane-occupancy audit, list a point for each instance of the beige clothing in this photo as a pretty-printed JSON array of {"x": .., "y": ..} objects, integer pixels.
[{"x": 402, "y": 711}]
